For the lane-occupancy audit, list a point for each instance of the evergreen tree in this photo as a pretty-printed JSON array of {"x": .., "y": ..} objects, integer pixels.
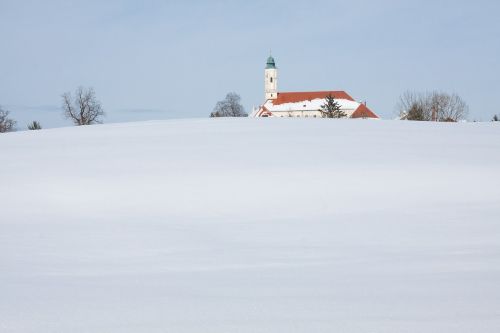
[
  {"x": 331, "y": 109},
  {"x": 496, "y": 118},
  {"x": 35, "y": 125}
]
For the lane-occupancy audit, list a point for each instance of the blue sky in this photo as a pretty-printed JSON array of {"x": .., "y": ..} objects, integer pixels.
[{"x": 166, "y": 59}]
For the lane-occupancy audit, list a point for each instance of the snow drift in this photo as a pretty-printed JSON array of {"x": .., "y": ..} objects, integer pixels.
[{"x": 251, "y": 225}]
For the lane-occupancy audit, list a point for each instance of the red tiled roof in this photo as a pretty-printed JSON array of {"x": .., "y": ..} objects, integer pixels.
[
  {"x": 294, "y": 97},
  {"x": 363, "y": 112}
]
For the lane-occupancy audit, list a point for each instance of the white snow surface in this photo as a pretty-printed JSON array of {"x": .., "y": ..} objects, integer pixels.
[
  {"x": 251, "y": 225},
  {"x": 312, "y": 105}
]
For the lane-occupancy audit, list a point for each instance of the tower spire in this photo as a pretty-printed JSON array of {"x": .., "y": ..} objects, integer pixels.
[{"x": 271, "y": 78}]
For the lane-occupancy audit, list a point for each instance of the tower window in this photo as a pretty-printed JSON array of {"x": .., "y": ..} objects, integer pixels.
[{"x": 271, "y": 80}]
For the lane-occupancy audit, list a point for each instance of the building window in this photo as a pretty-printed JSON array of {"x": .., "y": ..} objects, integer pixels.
[{"x": 271, "y": 79}]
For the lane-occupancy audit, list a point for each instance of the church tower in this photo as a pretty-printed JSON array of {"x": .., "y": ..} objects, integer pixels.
[{"x": 271, "y": 79}]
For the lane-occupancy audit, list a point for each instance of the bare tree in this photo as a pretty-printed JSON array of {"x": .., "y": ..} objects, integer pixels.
[
  {"x": 416, "y": 112},
  {"x": 84, "y": 108},
  {"x": 414, "y": 106},
  {"x": 229, "y": 107},
  {"x": 6, "y": 124},
  {"x": 447, "y": 107},
  {"x": 433, "y": 106}
]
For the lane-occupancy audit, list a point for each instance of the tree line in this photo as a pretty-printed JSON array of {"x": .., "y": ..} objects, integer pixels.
[
  {"x": 432, "y": 106},
  {"x": 83, "y": 108}
]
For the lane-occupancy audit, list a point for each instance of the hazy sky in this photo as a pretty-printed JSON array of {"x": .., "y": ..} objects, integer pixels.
[{"x": 163, "y": 59}]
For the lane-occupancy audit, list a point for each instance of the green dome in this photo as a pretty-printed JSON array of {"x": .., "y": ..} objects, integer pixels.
[{"x": 270, "y": 63}]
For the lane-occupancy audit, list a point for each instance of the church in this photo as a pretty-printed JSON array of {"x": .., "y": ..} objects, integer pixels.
[{"x": 303, "y": 104}]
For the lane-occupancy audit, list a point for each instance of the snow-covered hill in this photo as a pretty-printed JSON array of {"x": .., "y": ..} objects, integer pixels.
[{"x": 251, "y": 225}]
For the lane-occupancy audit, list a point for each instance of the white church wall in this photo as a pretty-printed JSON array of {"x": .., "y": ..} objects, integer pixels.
[{"x": 271, "y": 83}]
